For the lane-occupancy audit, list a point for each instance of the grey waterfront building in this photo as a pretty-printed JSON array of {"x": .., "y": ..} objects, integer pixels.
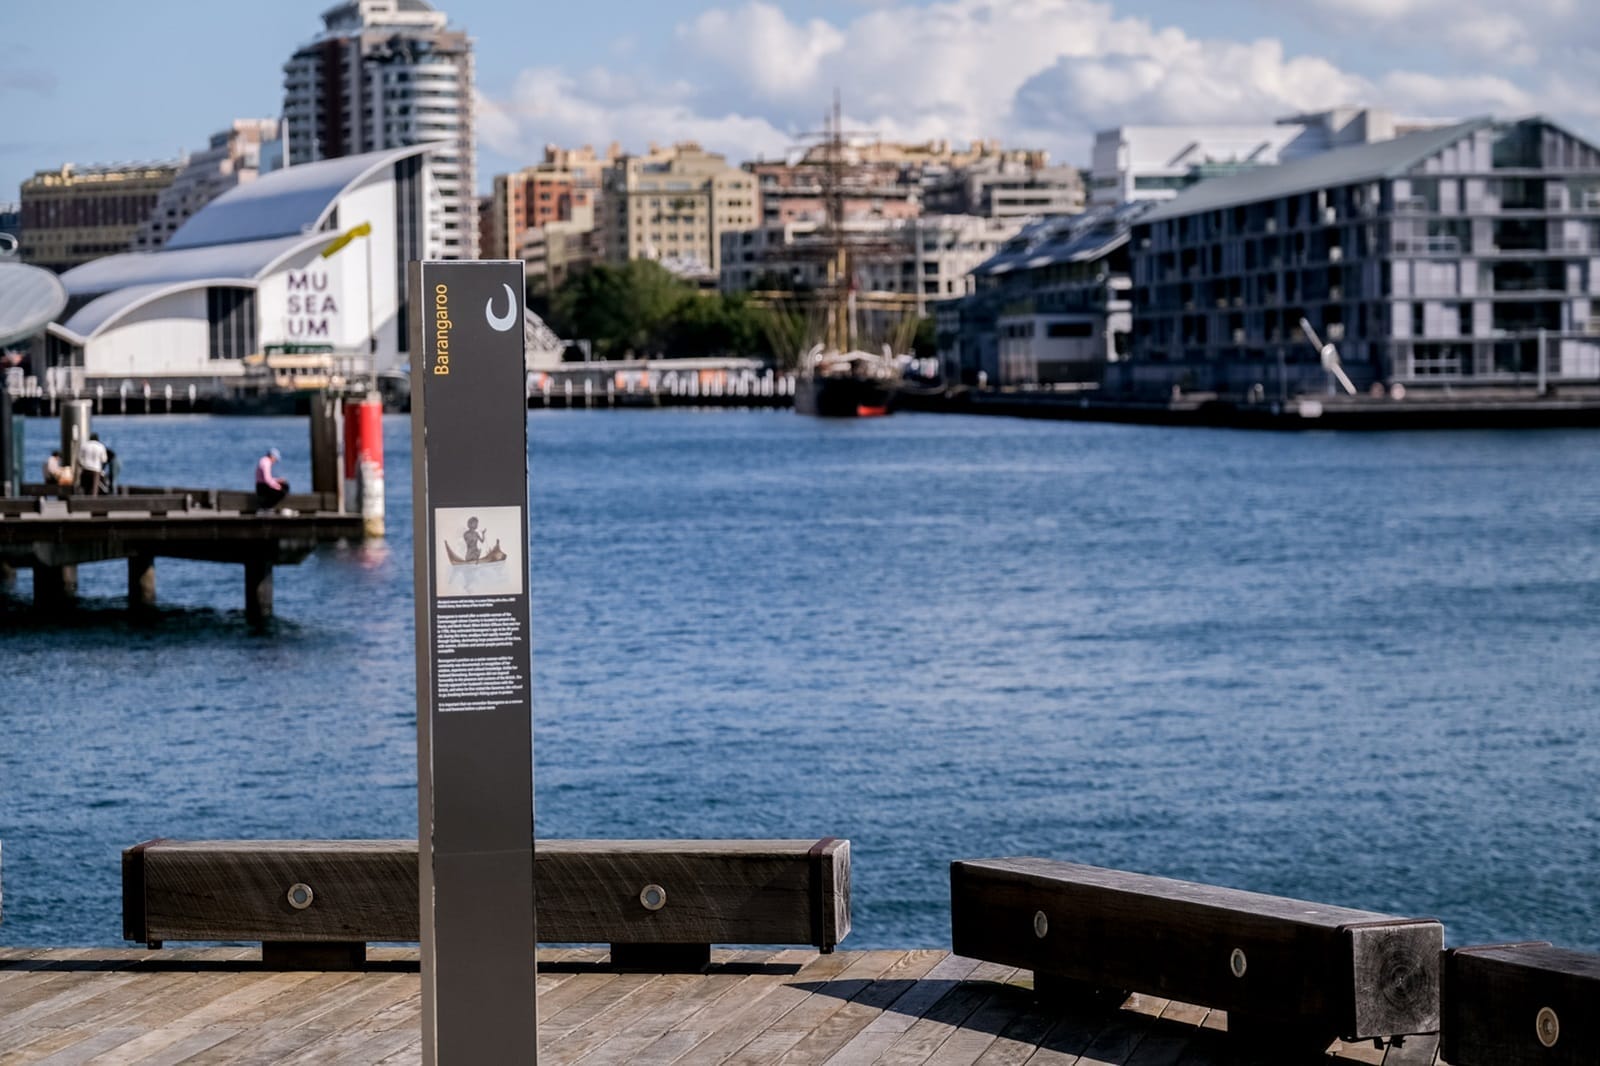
[
  {"x": 390, "y": 74},
  {"x": 1050, "y": 307},
  {"x": 1466, "y": 255}
]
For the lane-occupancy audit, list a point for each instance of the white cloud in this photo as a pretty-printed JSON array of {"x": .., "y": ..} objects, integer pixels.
[
  {"x": 1459, "y": 97},
  {"x": 1483, "y": 31},
  {"x": 772, "y": 56},
  {"x": 549, "y": 106},
  {"x": 1183, "y": 81},
  {"x": 749, "y": 78}
]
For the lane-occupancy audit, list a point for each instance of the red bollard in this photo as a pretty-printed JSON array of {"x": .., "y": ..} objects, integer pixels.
[{"x": 363, "y": 462}]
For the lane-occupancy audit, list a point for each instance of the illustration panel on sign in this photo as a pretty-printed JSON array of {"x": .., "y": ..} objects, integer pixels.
[{"x": 481, "y": 551}]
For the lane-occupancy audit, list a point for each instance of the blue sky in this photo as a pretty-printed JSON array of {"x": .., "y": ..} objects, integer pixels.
[{"x": 95, "y": 81}]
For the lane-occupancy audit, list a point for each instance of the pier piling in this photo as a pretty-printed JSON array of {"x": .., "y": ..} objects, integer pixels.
[
  {"x": 257, "y": 591},
  {"x": 54, "y": 587},
  {"x": 141, "y": 582}
]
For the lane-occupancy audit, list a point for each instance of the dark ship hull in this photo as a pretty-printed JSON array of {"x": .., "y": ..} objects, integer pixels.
[{"x": 841, "y": 396}]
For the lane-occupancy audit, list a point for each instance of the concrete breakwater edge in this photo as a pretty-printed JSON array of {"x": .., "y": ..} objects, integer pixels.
[{"x": 1507, "y": 409}]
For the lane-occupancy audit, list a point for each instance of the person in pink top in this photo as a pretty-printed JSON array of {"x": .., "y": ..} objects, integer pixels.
[{"x": 270, "y": 489}]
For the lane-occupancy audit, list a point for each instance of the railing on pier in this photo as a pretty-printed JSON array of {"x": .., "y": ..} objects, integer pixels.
[
  {"x": 52, "y": 531},
  {"x": 661, "y": 383}
]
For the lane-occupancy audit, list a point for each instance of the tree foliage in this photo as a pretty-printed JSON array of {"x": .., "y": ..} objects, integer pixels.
[{"x": 639, "y": 309}]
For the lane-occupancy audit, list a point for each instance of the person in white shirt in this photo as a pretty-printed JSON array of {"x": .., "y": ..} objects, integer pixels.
[{"x": 91, "y": 465}]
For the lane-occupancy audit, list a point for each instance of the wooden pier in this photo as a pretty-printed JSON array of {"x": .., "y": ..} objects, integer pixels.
[
  {"x": 1054, "y": 964},
  {"x": 219, "y": 1005},
  {"x": 54, "y": 536}
]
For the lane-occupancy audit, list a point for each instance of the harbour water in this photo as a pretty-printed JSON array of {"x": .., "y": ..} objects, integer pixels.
[{"x": 1361, "y": 669}]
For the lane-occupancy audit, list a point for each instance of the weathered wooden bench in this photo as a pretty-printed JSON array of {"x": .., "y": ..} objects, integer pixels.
[
  {"x": 151, "y": 504},
  {"x": 1516, "y": 1004},
  {"x": 1282, "y": 969},
  {"x": 17, "y": 506},
  {"x": 305, "y": 502},
  {"x": 659, "y": 904}
]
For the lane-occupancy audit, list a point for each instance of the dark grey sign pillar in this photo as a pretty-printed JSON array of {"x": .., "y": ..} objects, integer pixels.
[{"x": 474, "y": 703}]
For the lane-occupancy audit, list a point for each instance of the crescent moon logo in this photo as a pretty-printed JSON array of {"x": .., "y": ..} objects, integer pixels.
[{"x": 498, "y": 322}]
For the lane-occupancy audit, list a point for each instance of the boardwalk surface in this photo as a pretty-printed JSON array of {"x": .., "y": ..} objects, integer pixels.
[{"x": 216, "y": 1005}]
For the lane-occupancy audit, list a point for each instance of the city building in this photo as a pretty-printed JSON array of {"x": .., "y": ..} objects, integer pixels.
[
  {"x": 1464, "y": 255},
  {"x": 674, "y": 205},
  {"x": 11, "y": 220},
  {"x": 916, "y": 261},
  {"x": 388, "y": 74},
  {"x": 564, "y": 187},
  {"x": 1003, "y": 189},
  {"x": 233, "y": 156},
  {"x": 934, "y": 157},
  {"x": 1052, "y": 306},
  {"x": 555, "y": 251},
  {"x": 1157, "y": 162},
  {"x": 257, "y": 268},
  {"x": 888, "y": 180},
  {"x": 73, "y": 214},
  {"x": 795, "y": 192}
]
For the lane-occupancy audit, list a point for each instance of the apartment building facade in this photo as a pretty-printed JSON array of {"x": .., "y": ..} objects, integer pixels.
[
  {"x": 389, "y": 74},
  {"x": 1052, "y": 306},
  {"x": 1159, "y": 162},
  {"x": 73, "y": 214},
  {"x": 1463, "y": 255},
  {"x": 797, "y": 192},
  {"x": 674, "y": 205},
  {"x": 563, "y": 187},
  {"x": 1006, "y": 189},
  {"x": 232, "y": 156},
  {"x": 528, "y": 200},
  {"x": 924, "y": 260}
]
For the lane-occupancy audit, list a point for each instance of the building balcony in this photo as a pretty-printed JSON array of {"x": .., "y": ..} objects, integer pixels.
[{"x": 1426, "y": 246}]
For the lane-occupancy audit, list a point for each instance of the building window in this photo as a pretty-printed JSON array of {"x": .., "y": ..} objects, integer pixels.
[{"x": 231, "y": 317}]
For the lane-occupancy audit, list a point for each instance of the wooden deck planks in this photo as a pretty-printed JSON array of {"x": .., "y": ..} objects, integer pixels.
[{"x": 89, "y": 1007}]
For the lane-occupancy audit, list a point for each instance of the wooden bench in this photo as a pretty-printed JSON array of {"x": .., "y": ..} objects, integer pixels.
[
  {"x": 1281, "y": 968},
  {"x": 304, "y": 502},
  {"x": 660, "y": 904},
  {"x": 140, "y": 504},
  {"x": 1516, "y": 1004},
  {"x": 16, "y": 506},
  {"x": 40, "y": 488}
]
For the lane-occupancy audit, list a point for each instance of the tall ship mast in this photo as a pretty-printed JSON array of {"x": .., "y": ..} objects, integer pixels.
[{"x": 831, "y": 330}]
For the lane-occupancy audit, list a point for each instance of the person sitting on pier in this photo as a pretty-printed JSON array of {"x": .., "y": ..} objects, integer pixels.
[
  {"x": 270, "y": 489},
  {"x": 56, "y": 473},
  {"x": 91, "y": 465}
]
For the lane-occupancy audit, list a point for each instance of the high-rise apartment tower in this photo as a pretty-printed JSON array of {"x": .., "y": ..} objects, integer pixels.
[{"x": 388, "y": 74}]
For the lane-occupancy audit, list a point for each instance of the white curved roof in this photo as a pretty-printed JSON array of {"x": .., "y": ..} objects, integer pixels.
[
  {"x": 235, "y": 262},
  {"x": 29, "y": 298},
  {"x": 102, "y": 311},
  {"x": 292, "y": 200}
]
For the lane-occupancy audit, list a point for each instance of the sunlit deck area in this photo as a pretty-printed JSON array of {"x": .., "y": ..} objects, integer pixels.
[{"x": 218, "y": 1005}]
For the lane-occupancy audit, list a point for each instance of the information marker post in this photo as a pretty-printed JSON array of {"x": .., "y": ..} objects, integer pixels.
[{"x": 474, "y": 679}]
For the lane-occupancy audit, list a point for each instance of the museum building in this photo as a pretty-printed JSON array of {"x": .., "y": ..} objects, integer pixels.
[{"x": 307, "y": 258}]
